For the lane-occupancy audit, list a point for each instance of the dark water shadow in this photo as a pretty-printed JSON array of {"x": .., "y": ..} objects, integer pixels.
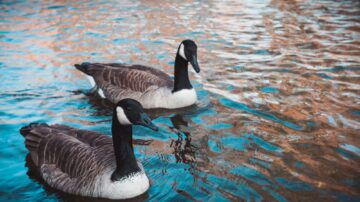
[
  {"x": 34, "y": 174},
  {"x": 184, "y": 151},
  {"x": 102, "y": 107}
]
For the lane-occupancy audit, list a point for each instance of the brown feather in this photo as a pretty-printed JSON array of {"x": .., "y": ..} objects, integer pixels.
[
  {"x": 120, "y": 81},
  {"x": 68, "y": 158}
]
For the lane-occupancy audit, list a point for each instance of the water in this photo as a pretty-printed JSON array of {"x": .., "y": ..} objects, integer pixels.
[{"x": 278, "y": 117}]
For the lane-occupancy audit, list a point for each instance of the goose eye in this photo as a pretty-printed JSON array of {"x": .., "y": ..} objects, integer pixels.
[{"x": 128, "y": 108}]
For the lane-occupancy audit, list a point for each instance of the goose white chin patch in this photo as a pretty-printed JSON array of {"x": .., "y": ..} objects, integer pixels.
[
  {"x": 181, "y": 51},
  {"x": 122, "y": 116}
]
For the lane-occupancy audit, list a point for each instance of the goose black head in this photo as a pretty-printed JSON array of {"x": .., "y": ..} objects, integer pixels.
[
  {"x": 129, "y": 111},
  {"x": 188, "y": 51}
]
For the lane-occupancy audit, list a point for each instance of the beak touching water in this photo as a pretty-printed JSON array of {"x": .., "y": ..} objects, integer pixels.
[
  {"x": 194, "y": 63},
  {"x": 146, "y": 121}
]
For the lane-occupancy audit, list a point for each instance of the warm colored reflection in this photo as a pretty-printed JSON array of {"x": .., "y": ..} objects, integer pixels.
[{"x": 279, "y": 110}]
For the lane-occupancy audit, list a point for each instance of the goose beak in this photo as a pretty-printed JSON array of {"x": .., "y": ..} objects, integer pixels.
[
  {"x": 194, "y": 63},
  {"x": 146, "y": 121}
]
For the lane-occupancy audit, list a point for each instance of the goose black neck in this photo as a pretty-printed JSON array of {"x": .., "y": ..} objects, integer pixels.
[
  {"x": 181, "y": 80},
  {"x": 124, "y": 153}
]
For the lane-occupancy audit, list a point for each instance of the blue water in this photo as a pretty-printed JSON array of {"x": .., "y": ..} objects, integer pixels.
[{"x": 278, "y": 111}]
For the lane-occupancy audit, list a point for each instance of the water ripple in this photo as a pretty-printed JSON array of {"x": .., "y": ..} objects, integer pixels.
[{"x": 278, "y": 115}]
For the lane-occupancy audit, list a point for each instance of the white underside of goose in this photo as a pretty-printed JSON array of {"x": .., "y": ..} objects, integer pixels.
[
  {"x": 91, "y": 80},
  {"x": 158, "y": 97},
  {"x": 165, "y": 98},
  {"x": 93, "y": 85},
  {"x": 101, "y": 93},
  {"x": 128, "y": 187}
]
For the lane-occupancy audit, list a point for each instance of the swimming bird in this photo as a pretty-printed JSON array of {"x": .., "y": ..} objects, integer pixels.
[
  {"x": 88, "y": 163},
  {"x": 151, "y": 87}
]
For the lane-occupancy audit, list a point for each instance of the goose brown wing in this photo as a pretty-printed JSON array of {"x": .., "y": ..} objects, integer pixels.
[
  {"x": 64, "y": 154},
  {"x": 136, "y": 78},
  {"x": 156, "y": 72}
]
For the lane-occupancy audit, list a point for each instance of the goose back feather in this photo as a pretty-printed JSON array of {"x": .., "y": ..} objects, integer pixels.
[{"x": 118, "y": 81}]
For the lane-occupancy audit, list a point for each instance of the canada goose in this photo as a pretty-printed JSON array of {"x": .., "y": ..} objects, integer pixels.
[
  {"x": 151, "y": 87},
  {"x": 88, "y": 163}
]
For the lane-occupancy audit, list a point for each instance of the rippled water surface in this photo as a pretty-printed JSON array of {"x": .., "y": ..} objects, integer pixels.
[{"x": 278, "y": 117}]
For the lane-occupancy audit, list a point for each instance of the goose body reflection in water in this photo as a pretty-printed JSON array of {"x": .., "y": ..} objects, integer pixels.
[{"x": 184, "y": 151}]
